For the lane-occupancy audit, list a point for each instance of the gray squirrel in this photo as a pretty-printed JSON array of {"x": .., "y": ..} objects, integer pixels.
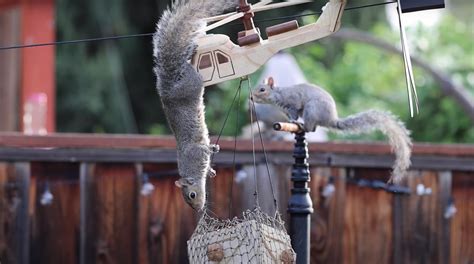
[
  {"x": 181, "y": 91},
  {"x": 317, "y": 108}
]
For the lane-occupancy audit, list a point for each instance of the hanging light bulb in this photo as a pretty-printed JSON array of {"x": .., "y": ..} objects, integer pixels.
[
  {"x": 147, "y": 186},
  {"x": 240, "y": 175},
  {"x": 46, "y": 197},
  {"x": 450, "y": 210},
  {"x": 329, "y": 188},
  {"x": 422, "y": 190}
]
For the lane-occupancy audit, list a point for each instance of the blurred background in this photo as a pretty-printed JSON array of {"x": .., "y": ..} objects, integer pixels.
[
  {"x": 109, "y": 86},
  {"x": 107, "y": 198}
]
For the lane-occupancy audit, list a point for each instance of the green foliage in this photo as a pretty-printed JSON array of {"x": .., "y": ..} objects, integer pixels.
[
  {"x": 106, "y": 86},
  {"x": 109, "y": 87},
  {"x": 364, "y": 77}
]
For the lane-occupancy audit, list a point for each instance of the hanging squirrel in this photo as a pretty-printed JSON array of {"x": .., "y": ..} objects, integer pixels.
[
  {"x": 317, "y": 108},
  {"x": 181, "y": 91}
]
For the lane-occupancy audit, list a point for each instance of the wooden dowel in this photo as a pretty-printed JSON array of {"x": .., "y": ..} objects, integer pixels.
[
  {"x": 288, "y": 127},
  {"x": 282, "y": 28}
]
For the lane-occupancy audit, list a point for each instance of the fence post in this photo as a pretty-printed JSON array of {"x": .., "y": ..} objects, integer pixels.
[{"x": 300, "y": 205}]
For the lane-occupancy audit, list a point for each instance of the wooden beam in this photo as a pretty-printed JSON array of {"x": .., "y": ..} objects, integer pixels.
[
  {"x": 9, "y": 65},
  {"x": 14, "y": 217},
  {"x": 115, "y": 141},
  {"x": 225, "y": 157},
  {"x": 37, "y": 64},
  {"x": 108, "y": 213}
]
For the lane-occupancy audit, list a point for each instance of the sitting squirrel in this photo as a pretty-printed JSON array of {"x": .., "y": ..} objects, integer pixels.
[
  {"x": 181, "y": 91},
  {"x": 317, "y": 108}
]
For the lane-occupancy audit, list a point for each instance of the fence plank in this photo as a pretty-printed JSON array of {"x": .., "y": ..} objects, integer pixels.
[
  {"x": 108, "y": 213},
  {"x": 462, "y": 228},
  {"x": 166, "y": 221},
  {"x": 55, "y": 226},
  {"x": 328, "y": 220},
  {"x": 420, "y": 222},
  {"x": 14, "y": 207},
  {"x": 368, "y": 221}
]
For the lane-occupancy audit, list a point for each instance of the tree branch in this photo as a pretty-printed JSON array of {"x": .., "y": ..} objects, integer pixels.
[{"x": 448, "y": 87}]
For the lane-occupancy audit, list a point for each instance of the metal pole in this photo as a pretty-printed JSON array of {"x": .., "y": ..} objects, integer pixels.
[{"x": 300, "y": 205}]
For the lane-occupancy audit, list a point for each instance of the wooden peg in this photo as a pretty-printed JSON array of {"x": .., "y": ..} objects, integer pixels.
[{"x": 288, "y": 127}]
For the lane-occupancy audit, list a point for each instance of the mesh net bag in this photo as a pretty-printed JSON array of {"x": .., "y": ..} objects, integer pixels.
[{"x": 255, "y": 238}]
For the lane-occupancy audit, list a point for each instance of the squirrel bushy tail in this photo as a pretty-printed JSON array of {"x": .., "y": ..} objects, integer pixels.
[
  {"x": 388, "y": 124},
  {"x": 175, "y": 33}
]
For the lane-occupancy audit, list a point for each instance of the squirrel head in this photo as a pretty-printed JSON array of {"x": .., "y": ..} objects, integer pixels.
[
  {"x": 194, "y": 193},
  {"x": 261, "y": 94}
]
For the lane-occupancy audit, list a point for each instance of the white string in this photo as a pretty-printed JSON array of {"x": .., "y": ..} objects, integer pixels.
[{"x": 410, "y": 81}]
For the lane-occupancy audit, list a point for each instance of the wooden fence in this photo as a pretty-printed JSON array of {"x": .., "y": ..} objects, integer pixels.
[{"x": 98, "y": 215}]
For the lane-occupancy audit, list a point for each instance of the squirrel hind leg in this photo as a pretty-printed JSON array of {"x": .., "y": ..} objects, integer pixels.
[{"x": 312, "y": 117}]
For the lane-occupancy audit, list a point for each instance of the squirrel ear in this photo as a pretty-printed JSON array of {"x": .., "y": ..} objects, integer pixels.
[
  {"x": 270, "y": 82},
  {"x": 178, "y": 184},
  {"x": 184, "y": 182}
]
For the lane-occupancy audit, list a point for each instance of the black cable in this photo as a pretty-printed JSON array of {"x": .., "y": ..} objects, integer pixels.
[
  {"x": 265, "y": 155},
  {"x": 65, "y": 42},
  {"x": 318, "y": 13},
  {"x": 257, "y": 202},
  {"x": 234, "y": 154},
  {"x": 76, "y": 41},
  {"x": 228, "y": 113}
]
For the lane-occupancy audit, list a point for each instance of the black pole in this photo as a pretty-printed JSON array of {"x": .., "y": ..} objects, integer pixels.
[{"x": 300, "y": 205}]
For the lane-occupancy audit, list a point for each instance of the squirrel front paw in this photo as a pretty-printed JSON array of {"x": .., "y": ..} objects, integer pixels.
[
  {"x": 214, "y": 148},
  {"x": 211, "y": 173}
]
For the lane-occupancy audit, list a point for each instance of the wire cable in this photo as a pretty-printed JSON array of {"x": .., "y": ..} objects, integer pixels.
[
  {"x": 77, "y": 41},
  {"x": 275, "y": 203}
]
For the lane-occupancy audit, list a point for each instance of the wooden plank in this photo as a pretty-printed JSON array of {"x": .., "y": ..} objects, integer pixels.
[
  {"x": 37, "y": 64},
  {"x": 109, "y": 213},
  {"x": 443, "y": 224},
  {"x": 462, "y": 229},
  {"x": 219, "y": 193},
  {"x": 282, "y": 181},
  {"x": 328, "y": 220},
  {"x": 9, "y": 63},
  {"x": 14, "y": 220},
  {"x": 225, "y": 158},
  {"x": 368, "y": 222},
  {"x": 419, "y": 220},
  {"x": 55, "y": 226},
  {"x": 166, "y": 221},
  {"x": 142, "y": 141}
]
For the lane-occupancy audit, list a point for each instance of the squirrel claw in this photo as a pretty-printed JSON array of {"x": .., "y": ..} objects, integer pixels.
[
  {"x": 214, "y": 148},
  {"x": 211, "y": 173}
]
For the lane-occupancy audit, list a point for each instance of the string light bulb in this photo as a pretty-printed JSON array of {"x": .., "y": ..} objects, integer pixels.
[
  {"x": 46, "y": 197},
  {"x": 147, "y": 186}
]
